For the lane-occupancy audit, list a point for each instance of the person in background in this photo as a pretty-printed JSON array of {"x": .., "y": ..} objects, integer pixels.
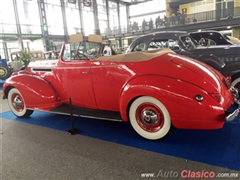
[
  {"x": 144, "y": 24},
  {"x": 183, "y": 19},
  {"x": 135, "y": 26},
  {"x": 157, "y": 22},
  {"x": 173, "y": 19},
  {"x": 151, "y": 24},
  {"x": 165, "y": 20},
  {"x": 179, "y": 17},
  {"x": 194, "y": 20}
]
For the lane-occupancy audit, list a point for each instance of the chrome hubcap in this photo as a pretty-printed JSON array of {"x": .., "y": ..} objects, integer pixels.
[
  {"x": 149, "y": 117},
  {"x": 17, "y": 103}
]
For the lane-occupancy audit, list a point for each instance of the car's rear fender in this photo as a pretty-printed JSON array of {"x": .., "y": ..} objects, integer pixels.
[
  {"x": 231, "y": 69},
  {"x": 179, "y": 98},
  {"x": 37, "y": 92}
]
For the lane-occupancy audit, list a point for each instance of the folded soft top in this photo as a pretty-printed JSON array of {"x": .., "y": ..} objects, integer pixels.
[{"x": 136, "y": 56}]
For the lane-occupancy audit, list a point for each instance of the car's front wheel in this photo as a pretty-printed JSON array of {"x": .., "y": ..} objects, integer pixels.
[
  {"x": 149, "y": 118},
  {"x": 17, "y": 104}
]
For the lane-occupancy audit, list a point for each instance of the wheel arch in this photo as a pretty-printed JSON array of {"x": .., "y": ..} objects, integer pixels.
[
  {"x": 133, "y": 90},
  {"x": 6, "y": 90},
  {"x": 127, "y": 98},
  {"x": 212, "y": 61}
]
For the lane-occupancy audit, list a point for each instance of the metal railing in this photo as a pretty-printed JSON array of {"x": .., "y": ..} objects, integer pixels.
[{"x": 207, "y": 16}]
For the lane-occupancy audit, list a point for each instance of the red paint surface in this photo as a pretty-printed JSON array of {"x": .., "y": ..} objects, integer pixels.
[{"x": 109, "y": 85}]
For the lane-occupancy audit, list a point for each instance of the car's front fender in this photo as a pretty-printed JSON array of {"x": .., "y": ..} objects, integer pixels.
[{"x": 37, "y": 92}]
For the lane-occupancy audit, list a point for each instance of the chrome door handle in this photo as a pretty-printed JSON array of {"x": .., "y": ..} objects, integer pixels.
[{"x": 86, "y": 72}]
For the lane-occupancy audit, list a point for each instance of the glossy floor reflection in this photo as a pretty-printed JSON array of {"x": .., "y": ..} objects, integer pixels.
[{"x": 215, "y": 147}]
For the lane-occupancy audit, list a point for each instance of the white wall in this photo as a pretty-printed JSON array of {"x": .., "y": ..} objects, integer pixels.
[
  {"x": 37, "y": 45},
  {"x": 202, "y": 6}
]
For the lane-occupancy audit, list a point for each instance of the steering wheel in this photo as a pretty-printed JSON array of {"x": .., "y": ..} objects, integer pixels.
[
  {"x": 81, "y": 56},
  {"x": 202, "y": 42}
]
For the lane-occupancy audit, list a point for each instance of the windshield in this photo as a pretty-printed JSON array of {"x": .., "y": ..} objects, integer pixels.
[
  {"x": 15, "y": 56},
  {"x": 81, "y": 51}
]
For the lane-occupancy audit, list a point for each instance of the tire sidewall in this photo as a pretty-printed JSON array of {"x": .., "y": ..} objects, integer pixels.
[
  {"x": 150, "y": 135},
  {"x": 17, "y": 113},
  {"x": 236, "y": 81}
]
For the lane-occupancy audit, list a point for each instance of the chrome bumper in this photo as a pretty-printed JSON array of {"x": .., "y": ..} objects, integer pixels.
[
  {"x": 235, "y": 94},
  {"x": 233, "y": 115}
]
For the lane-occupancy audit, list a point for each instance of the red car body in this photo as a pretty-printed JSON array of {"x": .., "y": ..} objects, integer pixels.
[{"x": 152, "y": 89}]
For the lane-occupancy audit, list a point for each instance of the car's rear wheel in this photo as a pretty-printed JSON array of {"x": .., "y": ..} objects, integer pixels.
[
  {"x": 4, "y": 72},
  {"x": 17, "y": 104},
  {"x": 149, "y": 118}
]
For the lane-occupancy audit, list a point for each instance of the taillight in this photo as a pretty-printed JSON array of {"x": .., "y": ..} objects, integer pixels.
[{"x": 216, "y": 96}]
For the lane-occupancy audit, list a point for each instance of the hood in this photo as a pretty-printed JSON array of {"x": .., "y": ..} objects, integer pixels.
[
  {"x": 40, "y": 67},
  {"x": 42, "y": 64}
]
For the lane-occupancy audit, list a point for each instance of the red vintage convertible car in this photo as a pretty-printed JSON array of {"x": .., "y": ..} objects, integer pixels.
[{"x": 154, "y": 90}]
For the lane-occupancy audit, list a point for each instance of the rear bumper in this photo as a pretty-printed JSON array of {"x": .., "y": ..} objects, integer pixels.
[{"x": 233, "y": 115}]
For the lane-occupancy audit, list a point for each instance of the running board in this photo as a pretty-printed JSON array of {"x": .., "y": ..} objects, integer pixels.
[{"x": 89, "y": 113}]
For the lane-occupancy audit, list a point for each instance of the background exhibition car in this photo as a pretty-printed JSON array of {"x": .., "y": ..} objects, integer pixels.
[
  {"x": 224, "y": 58},
  {"x": 211, "y": 38},
  {"x": 154, "y": 90},
  {"x": 5, "y": 70},
  {"x": 15, "y": 64}
]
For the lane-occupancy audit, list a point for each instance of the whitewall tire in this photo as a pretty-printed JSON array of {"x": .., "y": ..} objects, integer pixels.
[
  {"x": 149, "y": 118},
  {"x": 236, "y": 82},
  {"x": 17, "y": 104}
]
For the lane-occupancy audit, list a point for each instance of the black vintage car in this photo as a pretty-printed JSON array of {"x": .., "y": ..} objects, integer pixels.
[
  {"x": 224, "y": 58},
  {"x": 211, "y": 38}
]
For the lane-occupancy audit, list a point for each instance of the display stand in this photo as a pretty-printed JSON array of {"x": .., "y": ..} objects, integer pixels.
[{"x": 72, "y": 131}]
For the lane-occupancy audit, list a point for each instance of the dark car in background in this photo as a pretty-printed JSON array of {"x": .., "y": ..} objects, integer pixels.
[
  {"x": 224, "y": 58},
  {"x": 211, "y": 38}
]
